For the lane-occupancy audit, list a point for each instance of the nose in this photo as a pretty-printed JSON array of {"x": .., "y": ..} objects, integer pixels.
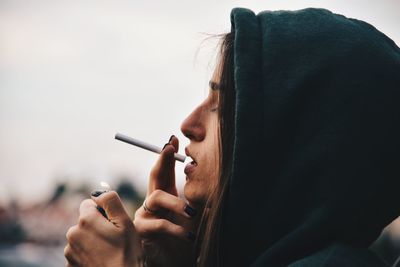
[{"x": 193, "y": 126}]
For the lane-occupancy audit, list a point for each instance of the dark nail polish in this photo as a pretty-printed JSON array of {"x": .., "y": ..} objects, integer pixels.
[
  {"x": 97, "y": 193},
  {"x": 165, "y": 146},
  {"x": 171, "y": 138},
  {"x": 190, "y": 211},
  {"x": 102, "y": 211},
  {"x": 190, "y": 236}
]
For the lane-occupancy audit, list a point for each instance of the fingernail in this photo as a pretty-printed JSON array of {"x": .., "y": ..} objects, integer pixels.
[
  {"x": 165, "y": 146},
  {"x": 190, "y": 211},
  {"x": 97, "y": 193},
  {"x": 102, "y": 211},
  {"x": 190, "y": 236},
  {"x": 171, "y": 138}
]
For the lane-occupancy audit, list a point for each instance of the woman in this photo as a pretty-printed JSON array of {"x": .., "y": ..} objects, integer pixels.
[{"x": 295, "y": 150}]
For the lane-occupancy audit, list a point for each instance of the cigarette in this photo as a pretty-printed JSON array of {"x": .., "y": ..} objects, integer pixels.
[{"x": 147, "y": 146}]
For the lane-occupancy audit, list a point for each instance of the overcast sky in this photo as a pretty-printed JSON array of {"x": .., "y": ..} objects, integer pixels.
[{"x": 73, "y": 73}]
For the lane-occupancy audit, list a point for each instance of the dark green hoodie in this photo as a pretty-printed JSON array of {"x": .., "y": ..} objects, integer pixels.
[{"x": 316, "y": 166}]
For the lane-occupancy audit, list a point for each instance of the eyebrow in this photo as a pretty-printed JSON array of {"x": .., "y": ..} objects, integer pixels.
[{"x": 214, "y": 85}]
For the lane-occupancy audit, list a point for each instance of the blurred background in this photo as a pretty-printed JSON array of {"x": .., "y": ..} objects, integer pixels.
[{"x": 73, "y": 73}]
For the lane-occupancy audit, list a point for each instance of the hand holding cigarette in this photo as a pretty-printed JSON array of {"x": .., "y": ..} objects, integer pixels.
[{"x": 164, "y": 207}]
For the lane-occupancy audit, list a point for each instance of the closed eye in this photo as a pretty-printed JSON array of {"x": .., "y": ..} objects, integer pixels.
[{"x": 214, "y": 86}]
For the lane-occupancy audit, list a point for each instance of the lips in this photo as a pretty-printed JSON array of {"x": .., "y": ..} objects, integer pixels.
[{"x": 190, "y": 167}]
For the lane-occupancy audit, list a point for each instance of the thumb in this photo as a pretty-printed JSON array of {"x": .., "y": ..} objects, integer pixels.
[{"x": 113, "y": 207}]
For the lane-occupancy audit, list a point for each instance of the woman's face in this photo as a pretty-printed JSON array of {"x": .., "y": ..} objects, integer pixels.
[{"x": 202, "y": 128}]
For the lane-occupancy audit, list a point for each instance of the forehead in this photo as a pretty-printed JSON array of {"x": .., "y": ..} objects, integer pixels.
[
  {"x": 215, "y": 81},
  {"x": 218, "y": 70}
]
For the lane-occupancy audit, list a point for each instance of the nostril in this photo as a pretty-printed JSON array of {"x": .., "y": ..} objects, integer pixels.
[
  {"x": 191, "y": 136},
  {"x": 194, "y": 132}
]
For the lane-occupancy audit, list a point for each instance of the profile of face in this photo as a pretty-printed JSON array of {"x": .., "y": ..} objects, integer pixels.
[{"x": 202, "y": 128}]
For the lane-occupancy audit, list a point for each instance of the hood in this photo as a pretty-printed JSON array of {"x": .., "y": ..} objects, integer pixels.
[{"x": 316, "y": 152}]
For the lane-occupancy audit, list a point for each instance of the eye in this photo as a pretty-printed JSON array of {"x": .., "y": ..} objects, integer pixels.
[{"x": 214, "y": 109}]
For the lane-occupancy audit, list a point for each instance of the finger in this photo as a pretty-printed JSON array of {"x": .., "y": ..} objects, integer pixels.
[
  {"x": 72, "y": 236},
  {"x": 174, "y": 141},
  {"x": 163, "y": 201},
  {"x": 70, "y": 256},
  {"x": 88, "y": 207},
  {"x": 91, "y": 219},
  {"x": 162, "y": 175},
  {"x": 113, "y": 207},
  {"x": 150, "y": 228},
  {"x": 76, "y": 238}
]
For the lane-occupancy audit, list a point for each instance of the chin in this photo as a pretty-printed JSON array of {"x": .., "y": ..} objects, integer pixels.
[{"x": 194, "y": 193}]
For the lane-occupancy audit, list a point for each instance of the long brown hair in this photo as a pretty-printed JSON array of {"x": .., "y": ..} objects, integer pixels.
[{"x": 210, "y": 225}]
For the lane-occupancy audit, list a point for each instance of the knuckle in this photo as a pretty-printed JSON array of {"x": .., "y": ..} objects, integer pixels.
[
  {"x": 160, "y": 225},
  {"x": 146, "y": 228},
  {"x": 178, "y": 206},
  {"x": 152, "y": 198},
  {"x": 138, "y": 225},
  {"x": 70, "y": 234},
  {"x": 85, "y": 203},
  {"x": 67, "y": 251},
  {"x": 82, "y": 222},
  {"x": 142, "y": 229},
  {"x": 138, "y": 214},
  {"x": 157, "y": 193},
  {"x": 85, "y": 220},
  {"x": 149, "y": 199}
]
